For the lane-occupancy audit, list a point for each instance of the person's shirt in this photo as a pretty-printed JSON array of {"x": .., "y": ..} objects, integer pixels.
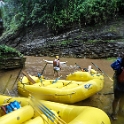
[{"x": 118, "y": 72}]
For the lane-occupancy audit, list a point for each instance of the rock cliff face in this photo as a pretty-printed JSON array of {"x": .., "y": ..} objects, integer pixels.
[
  {"x": 101, "y": 49},
  {"x": 89, "y": 42}
]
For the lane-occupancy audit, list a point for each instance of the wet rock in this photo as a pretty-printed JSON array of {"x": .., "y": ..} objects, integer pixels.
[{"x": 92, "y": 42}]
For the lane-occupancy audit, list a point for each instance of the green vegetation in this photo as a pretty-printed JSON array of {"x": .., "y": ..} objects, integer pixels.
[
  {"x": 9, "y": 52},
  {"x": 65, "y": 42},
  {"x": 112, "y": 59},
  {"x": 10, "y": 58},
  {"x": 58, "y": 14},
  {"x": 93, "y": 41}
]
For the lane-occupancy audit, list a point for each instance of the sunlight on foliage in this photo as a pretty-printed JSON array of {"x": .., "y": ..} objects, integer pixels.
[
  {"x": 58, "y": 14},
  {"x": 2, "y": 4}
]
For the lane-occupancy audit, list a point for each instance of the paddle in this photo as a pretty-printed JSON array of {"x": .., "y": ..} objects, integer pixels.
[
  {"x": 78, "y": 66},
  {"x": 101, "y": 71},
  {"x": 84, "y": 69},
  {"x": 47, "y": 111},
  {"x": 17, "y": 77},
  {"x": 43, "y": 68},
  {"x": 7, "y": 84},
  {"x": 56, "y": 79},
  {"x": 38, "y": 111},
  {"x": 29, "y": 78},
  {"x": 39, "y": 74}
]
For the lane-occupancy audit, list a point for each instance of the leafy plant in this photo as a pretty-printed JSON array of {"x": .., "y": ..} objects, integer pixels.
[
  {"x": 6, "y": 51},
  {"x": 58, "y": 15}
]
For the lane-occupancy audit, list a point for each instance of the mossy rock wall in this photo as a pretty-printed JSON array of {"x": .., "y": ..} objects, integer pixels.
[
  {"x": 10, "y": 58},
  {"x": 77, "y": 50},
  {"x": 11, "y": 63}
]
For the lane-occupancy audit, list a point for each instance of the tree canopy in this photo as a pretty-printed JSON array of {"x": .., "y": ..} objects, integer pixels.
[{"x": 57, "y": 14}]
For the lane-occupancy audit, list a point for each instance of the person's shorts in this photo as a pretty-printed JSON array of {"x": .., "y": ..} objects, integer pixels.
[
  {"x": 118, "y": 89},
  {"x": 118, "y": 94},
  {"x": 56, "y": 69}
]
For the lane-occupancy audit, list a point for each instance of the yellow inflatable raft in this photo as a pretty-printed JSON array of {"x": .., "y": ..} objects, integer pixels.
[
  {"x": 84, "y": 76},
  {"x": 61, "y": 113},
  {"x": 64, "y": 91}
]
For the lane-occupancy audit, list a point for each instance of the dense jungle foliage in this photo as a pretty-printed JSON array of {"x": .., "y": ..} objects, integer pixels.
[
  {"x": 58, "y": 14},
  {"x": 6, "y": 51}
]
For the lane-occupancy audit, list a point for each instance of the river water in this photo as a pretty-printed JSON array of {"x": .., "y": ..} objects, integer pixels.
[{"x": 33, "y": 65}]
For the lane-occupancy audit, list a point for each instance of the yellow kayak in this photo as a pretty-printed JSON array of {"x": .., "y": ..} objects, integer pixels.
[
  {"x": 61, "y": 113},
  {"x": 64, "y": 91}
]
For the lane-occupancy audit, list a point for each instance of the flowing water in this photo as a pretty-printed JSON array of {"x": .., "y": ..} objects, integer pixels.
[{"x": 33, "y": 65}]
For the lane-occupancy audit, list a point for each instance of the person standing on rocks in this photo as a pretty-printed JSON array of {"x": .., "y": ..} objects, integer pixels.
[
  {"x": 56, "y": 66},
  {"x": 118, "y": 67}
]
